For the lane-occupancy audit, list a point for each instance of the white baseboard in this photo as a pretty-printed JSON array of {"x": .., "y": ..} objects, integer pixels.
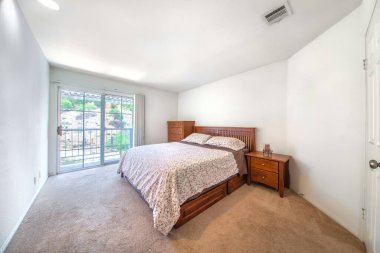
[{"x": 12, "y": 233}]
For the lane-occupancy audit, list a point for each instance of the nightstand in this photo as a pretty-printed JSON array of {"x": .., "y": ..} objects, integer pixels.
[{"x": 272, "y": 171}]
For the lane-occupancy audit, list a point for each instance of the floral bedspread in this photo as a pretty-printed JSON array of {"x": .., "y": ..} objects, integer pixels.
[{"x": 168, "y": 174}]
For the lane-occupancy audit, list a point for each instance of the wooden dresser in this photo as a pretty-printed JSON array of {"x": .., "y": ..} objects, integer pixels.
[
  {"x": 272, "y": 171},
  {"x": 179, "y": 130}
]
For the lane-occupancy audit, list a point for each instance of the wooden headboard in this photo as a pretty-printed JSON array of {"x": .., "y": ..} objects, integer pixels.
[{"x": 245, "y": 134}]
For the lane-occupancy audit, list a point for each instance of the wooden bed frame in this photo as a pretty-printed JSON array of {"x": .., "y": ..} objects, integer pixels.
[{"x": 193, "y": 207}]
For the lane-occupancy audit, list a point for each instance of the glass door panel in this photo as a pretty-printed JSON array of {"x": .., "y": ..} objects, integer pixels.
[
  {"x": 96, "y": 129},
  {"x": 92, "y": 129},
  {"x": 127, "y": 107},
  {"x": 113, "y": 126},
  {"x": 71, "y": 141}
]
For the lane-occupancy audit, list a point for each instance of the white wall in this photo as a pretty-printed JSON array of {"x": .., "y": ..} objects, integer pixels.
[
  {"x": 256, "y": 98},
  {"x": 326, "y": 120},
  {"x": 24, "y": 81},
  {"x": 311, "y": 107},
  {"x": 315, "y": 100},
  {"x": 160, "y": 106}
]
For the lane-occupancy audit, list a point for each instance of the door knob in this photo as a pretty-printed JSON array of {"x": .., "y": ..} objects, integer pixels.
[{"x": 373, "y": 164}]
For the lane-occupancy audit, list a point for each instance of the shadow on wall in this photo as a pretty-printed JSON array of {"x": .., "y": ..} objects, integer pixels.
[{"x": 298, "y": 170}]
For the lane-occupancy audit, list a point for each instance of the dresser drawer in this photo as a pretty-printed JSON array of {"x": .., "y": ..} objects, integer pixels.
[
  {"x": 263, "y": 164},
  {"x": 176, "y": 130},
  {"x": 175, "y": 137},
  {"x": 265, "y": 177},
  {"x": 175, "y": 124}
]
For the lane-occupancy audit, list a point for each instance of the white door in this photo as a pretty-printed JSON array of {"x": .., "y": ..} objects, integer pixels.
[{"x": 372, "y": 201}]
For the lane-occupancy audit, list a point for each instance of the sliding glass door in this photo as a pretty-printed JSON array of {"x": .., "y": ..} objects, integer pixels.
[
  {"x": 118, "y": 129},
  {"x": 95, "y": 129}
]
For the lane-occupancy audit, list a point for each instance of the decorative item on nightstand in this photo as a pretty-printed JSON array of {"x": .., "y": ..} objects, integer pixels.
[
  {"x": 272, "y": 171},
  {"x": 179, "y": 130},
  {"x": 267, "y": 152}
]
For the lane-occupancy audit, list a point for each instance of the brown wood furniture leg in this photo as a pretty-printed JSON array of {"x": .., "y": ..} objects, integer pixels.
[
  {"x": 281, "y": 179},
  {"x": 287, "y": 176},
  {"x": 249, "y": 171}
]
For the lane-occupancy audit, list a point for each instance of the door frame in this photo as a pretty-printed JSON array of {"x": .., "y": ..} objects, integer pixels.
[
  {"x": 55, "y": 120},
  {"x": 368, "y": 14}
]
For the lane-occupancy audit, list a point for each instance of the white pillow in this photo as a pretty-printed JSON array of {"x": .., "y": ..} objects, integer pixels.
[
  {"x": 226, "y": 142},
  {"x": 197, "y": 138}
]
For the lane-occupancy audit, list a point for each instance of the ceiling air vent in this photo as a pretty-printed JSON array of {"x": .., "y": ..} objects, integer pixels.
[{"x": 278, "y": 14}]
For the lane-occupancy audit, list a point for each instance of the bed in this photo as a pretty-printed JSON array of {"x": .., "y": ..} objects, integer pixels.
[{"x": 180, "y": 180}]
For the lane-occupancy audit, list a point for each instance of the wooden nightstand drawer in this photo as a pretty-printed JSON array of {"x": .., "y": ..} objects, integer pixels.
[
  {"x": 265, "y": 164},
  {"x": 265, "y": 177},
  {"x": 270, "y": 170},
  {"x": 176, "y": 130}
]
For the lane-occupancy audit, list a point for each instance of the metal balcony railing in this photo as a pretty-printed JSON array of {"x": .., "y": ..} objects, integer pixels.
[{"x": 83, "y": 148}]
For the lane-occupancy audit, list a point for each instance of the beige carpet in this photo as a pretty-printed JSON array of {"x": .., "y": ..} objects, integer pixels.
[{"x": 97, "y": 211}]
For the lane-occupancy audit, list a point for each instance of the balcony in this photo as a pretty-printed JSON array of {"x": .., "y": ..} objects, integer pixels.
[{"x": 83, "y": 148}]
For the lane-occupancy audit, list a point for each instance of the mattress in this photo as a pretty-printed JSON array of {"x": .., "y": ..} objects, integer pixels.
[{"x": 168, "y": 174}]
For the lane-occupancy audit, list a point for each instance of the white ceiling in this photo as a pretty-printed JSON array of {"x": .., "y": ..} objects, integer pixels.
[{"x": 176, "y": 44}]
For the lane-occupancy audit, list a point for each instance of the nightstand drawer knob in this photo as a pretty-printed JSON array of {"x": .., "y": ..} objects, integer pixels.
[
  {"x": 263, "y": 164},
  {"x": 262, "y": 177}
]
